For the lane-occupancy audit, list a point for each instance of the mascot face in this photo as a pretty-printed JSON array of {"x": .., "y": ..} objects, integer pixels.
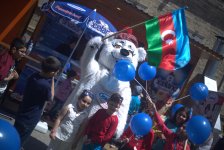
[{"x": 118, "y": 49}]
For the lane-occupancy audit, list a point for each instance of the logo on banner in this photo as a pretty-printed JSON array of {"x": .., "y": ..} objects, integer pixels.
[
  {"x": 100, "y": 27},
  {"x": 76, "y": 7},
  {"x": 70, "y": 25},
  {"x": 103, "y": 97}
]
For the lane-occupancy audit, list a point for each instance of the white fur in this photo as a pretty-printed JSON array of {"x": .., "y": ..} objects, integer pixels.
[{"x": 97, "y": 75}]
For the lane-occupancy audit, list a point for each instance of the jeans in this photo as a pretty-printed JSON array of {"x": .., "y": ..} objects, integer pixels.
[{"x": 24, "y": 131}]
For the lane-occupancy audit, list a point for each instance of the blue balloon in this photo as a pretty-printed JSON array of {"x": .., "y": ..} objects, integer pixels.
[
  {"x": 198, "y": 129},
  {"x": 141, "y": 124},
  {"x": 124, "y": 70},
  {"x": 175, "y": 108},
  {"x": 199, "y": 91},
  {"x": 9, "y": 137},
  {"x": 146, "y": 72}
]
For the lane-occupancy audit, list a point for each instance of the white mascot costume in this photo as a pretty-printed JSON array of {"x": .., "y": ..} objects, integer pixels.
[{"x": 97, "y": 64}]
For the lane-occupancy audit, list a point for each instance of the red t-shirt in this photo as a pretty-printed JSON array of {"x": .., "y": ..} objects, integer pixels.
[
  {"x": 6, "y": 63},
  {"x": 143, "y": 143},
  {"x": 101, "y": 127},
  {"x": 171, "y": 142}
]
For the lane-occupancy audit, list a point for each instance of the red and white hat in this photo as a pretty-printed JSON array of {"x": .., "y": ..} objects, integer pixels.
[{"x": 127, "y": 35}]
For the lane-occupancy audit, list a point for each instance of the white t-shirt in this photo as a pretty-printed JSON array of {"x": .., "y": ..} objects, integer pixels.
[{"x": 70, "y": 123}]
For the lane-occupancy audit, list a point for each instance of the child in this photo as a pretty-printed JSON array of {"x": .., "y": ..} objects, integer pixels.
[
  {"x": 174, "y": 140},
  {"x": 131, "y": 142},
  {"x": 176, "y": 120},
  {"x": 39, "y": 89},
  {"x": 180, "y": 117},
  {"x": 102, "y": 126},
  {"x": 135, "y": 100},
  {"x": 8, "y": 61},
  {"x": 61, "y": 94},
  {"x": 68, "y": 122}
]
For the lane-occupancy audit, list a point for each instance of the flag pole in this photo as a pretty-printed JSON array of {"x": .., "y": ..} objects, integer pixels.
[
  {"x": 73, "y": 50},
  {"x": 181, "y": 98},
  {"x": 131, "y": 27}
]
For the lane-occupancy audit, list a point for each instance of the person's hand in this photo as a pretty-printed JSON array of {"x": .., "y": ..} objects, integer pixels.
[
  {"x": 126, "y": 140},
  {"x": 12, "y": 75},
  {"x": 15, "y": 74},
  {"x": 53, "y": 134},
  {"x": 169, "y": 102},
  {"x": 8, "y": 78},
  {"x": 151, "y": 105}
]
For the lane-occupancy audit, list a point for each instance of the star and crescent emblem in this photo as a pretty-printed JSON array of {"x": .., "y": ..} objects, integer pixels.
[{"x": 168, "y": 36}]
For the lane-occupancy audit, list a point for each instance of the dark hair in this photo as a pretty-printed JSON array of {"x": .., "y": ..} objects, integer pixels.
[
  {"x": 182, "y": 109},
  {"x": 137, "y": 90},
  {"x": 50, "y": 64},
  {"x": 86, "y": 93},
  {"x": 17, "y": 43},
  {"x": 116, "y": 97}
]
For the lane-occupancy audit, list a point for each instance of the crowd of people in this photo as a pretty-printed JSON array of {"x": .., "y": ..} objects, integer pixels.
[{"x": 72, "y": 129}]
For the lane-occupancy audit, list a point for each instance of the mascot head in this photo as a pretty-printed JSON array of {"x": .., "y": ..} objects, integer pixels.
[{"x": 120, "y": 46}]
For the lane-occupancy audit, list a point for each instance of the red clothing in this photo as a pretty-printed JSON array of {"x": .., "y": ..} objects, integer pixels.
[
  {"x": 101, "y": 127},
  {"x": 6, "y": 63},
  {"x": 171, "y": 142},
  {"x": 144, "y": 143}
]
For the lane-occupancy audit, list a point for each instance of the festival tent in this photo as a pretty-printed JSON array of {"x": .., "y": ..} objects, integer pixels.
[{"x": 64, "y": 21}]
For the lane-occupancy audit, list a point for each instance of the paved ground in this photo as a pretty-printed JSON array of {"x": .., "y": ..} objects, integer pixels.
[{"x": 37, "y": 141}]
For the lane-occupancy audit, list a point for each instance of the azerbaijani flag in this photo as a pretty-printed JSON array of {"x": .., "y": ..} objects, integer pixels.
[{"x": 168, "y": 42}]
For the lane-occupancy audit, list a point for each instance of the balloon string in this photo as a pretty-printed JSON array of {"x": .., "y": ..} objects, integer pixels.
[
  {"x": 181, "y": 98},
  {"x": 128, "y": 140},
  {"x": 148, "y": 93},
  {"x": 149, "y": 96},
  {"x": 146, "y": 85},
  {"x": 141, "y": 86},
  {"x": 131, "y": 27}
]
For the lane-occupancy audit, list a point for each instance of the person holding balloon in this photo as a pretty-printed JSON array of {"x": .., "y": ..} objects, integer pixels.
[
  {"x": 179, "y": 115},
  {"x": 138, "y": 136},
  {"x": 132, "y": 142},
  {"x": 174, "y": 140}
]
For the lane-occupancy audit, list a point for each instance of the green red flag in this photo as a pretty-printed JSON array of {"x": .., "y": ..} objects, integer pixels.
[{"x": 168, "y": 41}]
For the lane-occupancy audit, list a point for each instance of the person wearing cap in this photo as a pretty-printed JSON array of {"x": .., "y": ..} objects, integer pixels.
[{"x": 103, "y": 124}]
